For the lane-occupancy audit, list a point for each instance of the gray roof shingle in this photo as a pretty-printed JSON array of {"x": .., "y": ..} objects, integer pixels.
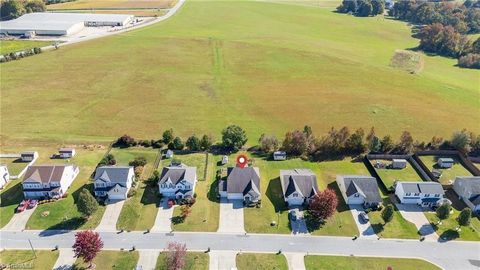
[
  {"x": 113, "y": 174},
  {"x": 472, "y": 183},
  {"x": 244, "y": 180},
  {"x": 304, "y": 181},
  {"x": 422, "y": 187},
  {"x": 364, "y": 185},
  {"x": 178, "y": 173}
]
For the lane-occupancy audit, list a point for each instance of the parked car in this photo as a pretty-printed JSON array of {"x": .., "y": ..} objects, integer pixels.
[
  {"x": 22, "y": 206},
  {"x": 32, "y": 204},
  {"x": 364, "y": 217}
]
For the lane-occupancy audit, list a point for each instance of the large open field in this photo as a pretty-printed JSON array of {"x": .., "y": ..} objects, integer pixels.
[
  {"x": 268, "y": 67},
  {"x": 113, "y": 4}
]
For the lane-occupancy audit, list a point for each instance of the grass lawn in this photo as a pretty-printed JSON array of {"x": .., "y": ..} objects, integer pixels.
[
  {"x": 139, "y": 211},
  {"x": 63, "y": 214},
  {"x": 10, "y": 196},
  {"x": 25, "y": 259},
  {"x": 389, "y": 176},
  {"x": 371, "y": 263},
  {"x": 14, "y": 165},
  {"x": 237, "y": 62},
  {"x": 206, "y": 210},
  {"x": 247, "y": 261},
  {"x": 8, "y": 46},
  {"x": 447, "y": 228},
  {"x": 447, "y": 174},
  {"x": 108, "y": 259},
  {"x": 193, "y": 261},
  {"x": 112, "y": 4}
]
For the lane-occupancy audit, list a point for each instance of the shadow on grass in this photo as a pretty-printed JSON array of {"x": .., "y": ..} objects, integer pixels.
[
  {"x": 312, "y": 223},
  {"x": 274, "y": 194},
  {"x": 448, "y": 235},
  {"x": 64, "y": 226},
  {"x": 212, "y": 192},
  {"x": 342, "y": 206},
  {"x": 150, "y": 194},
  {"x": 378, "y": 228},
  {"x": 12, "y": 196}
]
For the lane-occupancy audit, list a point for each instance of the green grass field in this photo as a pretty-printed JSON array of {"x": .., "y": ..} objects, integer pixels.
[
  {"x": 25, "y": 259},
  {"x": 358, "y": 263},
  {"x": 11, "y": 195},
  {"x": 112, "y": 4},
  {"x": 8, "y": 46},
  {"x": 14, "y": 165},
  {"x": 193, "y": 261},
  {"x": 107, "y": 259},
  {"x": 247, "y": 261},
  {"x": 448, "y": 175},
  {"x": 389, "y": 176},
  {"x": 221, "y": 62}
]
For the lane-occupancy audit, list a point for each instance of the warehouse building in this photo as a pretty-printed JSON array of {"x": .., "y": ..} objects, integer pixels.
[{"x": 60, "y": 24}]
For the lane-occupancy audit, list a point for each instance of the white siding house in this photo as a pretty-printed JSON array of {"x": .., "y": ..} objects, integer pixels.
[
  {"x": 177, "y": 181},
  {"x": 421, "y": 193},
  {"x": 113, "y": 182},
  {"x": 48, "y": 181},
  {"x": 4, "y": 175},
  {"x": 468, "y": 190}
]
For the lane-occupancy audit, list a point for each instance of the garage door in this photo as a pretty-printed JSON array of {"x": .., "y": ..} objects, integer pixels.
[
  {"x": 116, "y": 197},
  {"x": 235, "y": 196},
  {"x": 355, "y": 200},
  {"x": 295, "y": 201}
]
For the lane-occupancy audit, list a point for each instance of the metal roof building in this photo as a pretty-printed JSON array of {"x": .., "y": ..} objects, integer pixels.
[{"x": 60, "y": 24}]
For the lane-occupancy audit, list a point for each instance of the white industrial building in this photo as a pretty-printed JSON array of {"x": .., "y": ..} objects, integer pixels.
[{"x": 60, "y": 24}]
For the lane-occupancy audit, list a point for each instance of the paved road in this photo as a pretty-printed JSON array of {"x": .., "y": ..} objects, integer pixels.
[
  {"x": 365, "y": 228},
  {"x": 19, "y": 220},
  {"x": 163, "y": 220},
  {"x": 453, "y": 255},
  {"x": 231, "y": 216},
  {"x": 110, "y": 217},
  {"x": 414, "y": 214}
]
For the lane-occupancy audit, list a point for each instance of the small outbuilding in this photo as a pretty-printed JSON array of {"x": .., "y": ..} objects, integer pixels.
[
  {"x": 399, "y": 163},
  {"x": 29, "y": 156},
  {"x": 169, "y": 154},
  {"x": 279, "y": 155},
  {"x": 445, "y": 163},
  {"x": 224, "y": 160},
  {"x": 4, "y": 175},
  {"x": 66, "y": 152}
]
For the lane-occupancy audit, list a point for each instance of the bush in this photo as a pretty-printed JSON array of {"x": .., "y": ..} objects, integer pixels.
[
  {"x": 443, "y": 211},
  {"x": 138, "y": 161},
  {"x": 465, "y": 217},
  {"x": 125, "y": 141},
  {"x": 387, "y": 213},
  {"x": 86, "y": 203}
]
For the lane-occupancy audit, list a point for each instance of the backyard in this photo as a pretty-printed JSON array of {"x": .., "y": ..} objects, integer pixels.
[
  {"x": 389, "y": 176},
  {"x": 193, "y": 261},
  {"x": 28, "y": 259},
  {"x": 14, "y": 165},
  {"x": 108, "y": 259},
  {"x": 448, "y": 175},
  {"x": 248, "y": 261},
  {"x": 315, "y": 262}
]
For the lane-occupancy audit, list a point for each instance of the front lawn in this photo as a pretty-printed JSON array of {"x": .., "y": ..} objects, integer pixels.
[
  {"x": 108, "y": 259},
  {"x": 206, "y": 210},
  {"x": 448, "y": 175},
  {"x": 193, "y": 261},
  {"x": 140, "y": 210},
  {"x": 389, "y": 176},
  {"x": 10, "y": 196},
  {"x": 247, "y": 261},
  {"x": 26, "y": 259},
  {"x": 316, "y": 262}
]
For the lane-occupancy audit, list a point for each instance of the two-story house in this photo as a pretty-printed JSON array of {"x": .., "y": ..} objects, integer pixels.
[
  {"x": 113, "y": 182},
  {"x": 425, "y": 194},
  {"x": 468, "y": 190},
  {"x": 359, "y": 189},
  {"x": 241, "y": 184},
  {"x": 177, "y": 181},
  {"x": 299, "y": 186},
  {"x": 48, "y": 181}
]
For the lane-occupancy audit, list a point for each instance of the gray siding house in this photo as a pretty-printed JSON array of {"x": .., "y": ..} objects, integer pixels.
[
  {"x": 468, "y": 190},
  {"x": 299, "y": 186},
  {"x": 359, "y": 189},
  {"x": 113, "y": 182},
  {"x": 241, "y": 184},
  {"x": 178, "y": 181}
]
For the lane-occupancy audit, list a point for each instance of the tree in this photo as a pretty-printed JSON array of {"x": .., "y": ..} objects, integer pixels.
[
  {"x": 176, "y": 253},
  {"x": 323, "y": 205},
  {"x": 355, "y": 144},
  {"x": 206, "y": 142},
  {"x": 378, "y": 7},
  {"x": 461, "y": 141},
  {"x": 364, "y": 8},
  {"x": 11, "y": 9},
  {"x": 295, "y": 143},
  {"x": 176, "y": 144},
  {"x": 86, "y": 204},
  {"x": 387, "y": 144},
  {"x": 167, "y": 136},
  {"x": 233, "y": 138},
  {"x": 406, "y": 142},
  {"x": 107, "y": 160},
  {"x": 268, "y": 143},
  {"x": 387, "y": 213},
  {"x": 138, "y": 162},
  {"x": 125, "y": 141},
  {"x": 308, "y": 131},
  {"x": 465, "y": 217},
  {"x": 443, "y": 211},
  {"x": 35, "y": 6},
  {"x": 471, "y": 60},
  {"x": 87, "y": 245},
  {"x": 193, "y": 143}
]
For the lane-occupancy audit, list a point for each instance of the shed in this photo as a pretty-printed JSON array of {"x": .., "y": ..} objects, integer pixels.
[
  {"x": 29, "y": 156},
  {"x": 224, "y": 160},
  {"x": 399, "y": 163},
  {"x": 169, "y": 154},
  {"x": 279, "y": 155},
  {"x": 445, "y": 162},
  {"x": 66, "y": 152}
]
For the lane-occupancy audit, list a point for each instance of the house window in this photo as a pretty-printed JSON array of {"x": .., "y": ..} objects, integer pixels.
[
  {"x": 356, "y": 195},
  {"x": 295, "y": 195},
  {"x": 437, "y": 195},
  {"x": 408, "y": 194},
  {"x": 417, "y": 194},
  {"x": 427, "y": 195}
]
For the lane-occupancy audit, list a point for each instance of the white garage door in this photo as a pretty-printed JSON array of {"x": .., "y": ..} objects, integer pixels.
[
  {"x": 235, "y": 196},
  {"x": 295, "y": 201},
  {"x": 355, "y": 200},
  {"x": 116, "y": 197}
]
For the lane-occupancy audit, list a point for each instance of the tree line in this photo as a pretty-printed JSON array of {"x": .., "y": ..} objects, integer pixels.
[
  {"x": 11, "y": 9},
  {"x": 362, "y": 8}
]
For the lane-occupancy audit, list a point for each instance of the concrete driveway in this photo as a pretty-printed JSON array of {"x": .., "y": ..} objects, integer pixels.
[
  {"x": 19, "y": 220},
  {"x": 110, "y": 217},
  {"x": 65, "y": 259},
  {"x": 365, "y": 228},
  {"x": 298, "y": 226},
  {"x": 295, "y": 260},
  {"x": 414, "y": 214},
  {"x": 148, "y": 259},
  {"x": 223, "y": 260},
  {"x": 231, "y": 216},
  {"x": 163, "y": 221}
]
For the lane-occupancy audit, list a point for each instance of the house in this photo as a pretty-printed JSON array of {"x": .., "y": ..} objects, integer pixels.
[
  {"x": 359, "y": 189},
  {"x": 177, "y": 181},
  {"x": 398, "y": 163},
  {"x": 113, "y": 182},
  {"x": 279, "y": 155},
  {"x": 224, "y": 160},
  {"x": 169, "y": 154},
  {"x": 241, "y": 184},
  {"x": 66, "y": 152},
  {"x": 29, "y": 156},
  {"x": 445, "y": 163},
  {"x": 468, "y": 190},
  {"x": 422, "y": 193},
  {"x": 48, "y": 181},
  {"x": 299, "y": 186},
  {"x": 4, "y": 175}
]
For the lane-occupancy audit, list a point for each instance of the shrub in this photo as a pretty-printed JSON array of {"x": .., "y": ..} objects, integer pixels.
[
  {"x": 86, "y": 204},
  {"x": 176, "y": 144},
  {"x": 387, "y": 213},
  {"x": 443, "y": 211},
  {"x": 138, "y": 161},
  {"x": 125, "y": 141},
  {"x": 268, "y": 143},
  {"x": 471, "y": 60},
  {"x": 465, "y": 217}
]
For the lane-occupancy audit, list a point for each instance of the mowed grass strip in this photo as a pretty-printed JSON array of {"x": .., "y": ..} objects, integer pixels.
[
  {"x": 215, "y": 69},
  {"x": 205, "y": 213},
  {"x": 247, "y": 261},
  {"x": 448, "y": 175},
  {"x": 8, "y": 46},
  {"x": 140, "y": 210},
  {"x": 315, "y": 262},
  {"x": 109, "y": 259},
  {"x": 27, "y": 259},
  {"x": 193, "y": 261},
  {"x": 112, "y": 4}
]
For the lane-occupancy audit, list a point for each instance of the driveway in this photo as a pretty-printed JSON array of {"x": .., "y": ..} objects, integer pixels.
[
  {"x": 414, "y": 214},
  {"x": 298, "y": 226},
  {"x": 223, "y": 260},
  {"x": 231, "y": 216},
  {"x": 295, "y": 260},
  {"x": 163, "y": 221},
  {"x": 19, "y": 220},
  {"x": 148, "y": 259},
  {"x": 110, "y": 217},
  {"x": 365, "y": 228},
  {"x": 65, "y": 259}
]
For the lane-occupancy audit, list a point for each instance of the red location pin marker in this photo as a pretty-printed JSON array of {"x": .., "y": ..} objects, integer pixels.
[{"x": 242, "y": 161}]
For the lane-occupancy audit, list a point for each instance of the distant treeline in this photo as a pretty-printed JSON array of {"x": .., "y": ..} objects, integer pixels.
[{"x": 11, "y": 9}]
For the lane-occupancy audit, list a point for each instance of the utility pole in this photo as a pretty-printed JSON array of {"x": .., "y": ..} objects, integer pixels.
[{"x": 33, "y": 250}]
